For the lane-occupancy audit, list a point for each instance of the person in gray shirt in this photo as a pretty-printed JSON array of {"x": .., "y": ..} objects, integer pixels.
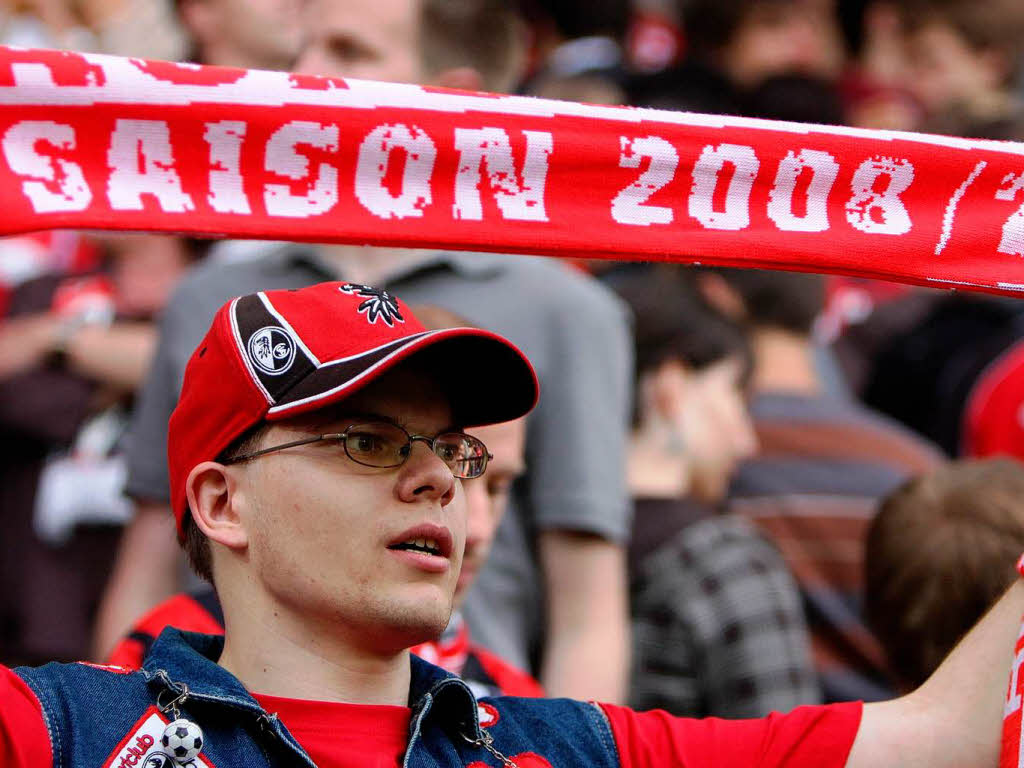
[
  {"x": 558, "y": 563},
  {"x": 557, "y": 560}
]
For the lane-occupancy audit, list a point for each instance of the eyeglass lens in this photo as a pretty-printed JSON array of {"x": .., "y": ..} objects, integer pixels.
[{"x": 380, "y": 444}]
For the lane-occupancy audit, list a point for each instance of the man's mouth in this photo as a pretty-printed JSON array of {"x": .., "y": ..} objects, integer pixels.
[
  {"x": 425, "y": 539},
  {"x": 429, "y": 546}
]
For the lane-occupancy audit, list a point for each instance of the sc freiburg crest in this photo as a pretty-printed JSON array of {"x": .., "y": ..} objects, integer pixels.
[{"x": 272, "y": 350}]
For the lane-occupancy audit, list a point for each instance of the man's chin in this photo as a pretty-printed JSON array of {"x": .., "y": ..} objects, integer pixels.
[{"x": 417, "y": 624}]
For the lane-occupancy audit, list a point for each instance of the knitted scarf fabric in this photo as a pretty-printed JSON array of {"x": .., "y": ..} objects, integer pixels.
[{"x": 91, "y": 141}]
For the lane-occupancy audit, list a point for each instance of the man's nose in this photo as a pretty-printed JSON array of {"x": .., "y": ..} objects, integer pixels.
[{"x": 424, "y": 476}]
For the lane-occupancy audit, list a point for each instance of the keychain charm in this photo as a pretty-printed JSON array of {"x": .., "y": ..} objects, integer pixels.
[{"x": 182, "y": 740}]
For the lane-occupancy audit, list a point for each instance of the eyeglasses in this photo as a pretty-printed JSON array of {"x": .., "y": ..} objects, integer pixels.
[{"x": 383, "y": 444}]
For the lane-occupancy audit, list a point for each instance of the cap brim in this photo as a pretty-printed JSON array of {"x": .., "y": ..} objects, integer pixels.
[{"x": 502, "y": 385}]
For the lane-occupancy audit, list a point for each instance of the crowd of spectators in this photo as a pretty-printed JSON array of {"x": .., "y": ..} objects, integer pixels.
[{"x": 741, "y": 491}]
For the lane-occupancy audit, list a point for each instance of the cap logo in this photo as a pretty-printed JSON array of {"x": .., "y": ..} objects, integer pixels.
[
  {"x": 379, "y": 303},
  {"x": 272, "y": 350}
]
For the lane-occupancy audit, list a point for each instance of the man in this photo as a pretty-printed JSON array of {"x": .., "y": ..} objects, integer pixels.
[
  {"x": 255, "y": 34},
  {"x": 963, "y": 65},
  {"x": 553, "y": 597},
  {"x": 823, "y": 464},
  {"x": 251, "y": 34},
  {"x": 736, "y": 46},
  {"x": 718, "y": 628},
  {"x": 315, "y": 457},
  {"x": 967, "y": 516},
  {"x": 486, "y": 498}
]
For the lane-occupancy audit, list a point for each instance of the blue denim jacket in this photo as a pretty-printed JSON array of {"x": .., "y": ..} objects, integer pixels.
[{"x": 89, "y": 712}]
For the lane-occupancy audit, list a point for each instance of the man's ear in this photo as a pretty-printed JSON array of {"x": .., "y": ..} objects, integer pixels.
[
  {"x": 667, "y": 385},
  {"x": 462, "y": 78},
  {"x": 213, "y": 496}
]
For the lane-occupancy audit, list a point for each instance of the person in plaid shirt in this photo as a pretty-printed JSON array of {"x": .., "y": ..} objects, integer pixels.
[{"x": 718, "y": 628}]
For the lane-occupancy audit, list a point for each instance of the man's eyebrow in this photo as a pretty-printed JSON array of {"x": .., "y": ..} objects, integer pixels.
[
  {"x": 355, "y": 418},
  {"x": 404, "y": 425},
  {"x": 361, "y": 417}
]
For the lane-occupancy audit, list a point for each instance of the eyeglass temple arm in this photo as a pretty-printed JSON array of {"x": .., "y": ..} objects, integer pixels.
[{"x": 293, "y": 444}]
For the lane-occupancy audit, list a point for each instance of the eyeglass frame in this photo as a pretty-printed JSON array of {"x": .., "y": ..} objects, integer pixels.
[{"x": 341, "y": 438}]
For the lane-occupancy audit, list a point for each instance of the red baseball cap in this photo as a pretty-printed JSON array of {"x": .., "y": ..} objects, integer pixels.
[{"x": 277, "y": 354}]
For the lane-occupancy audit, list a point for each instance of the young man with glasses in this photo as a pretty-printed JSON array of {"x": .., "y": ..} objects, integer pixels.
[
  {"x": 456, "y": 650},
  {"x": 318, "y": 449}
]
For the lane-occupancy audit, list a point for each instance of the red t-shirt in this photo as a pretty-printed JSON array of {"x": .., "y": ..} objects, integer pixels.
[
  {"x": 374, "y": 736},
  {"x": 807, "y": 737},
  {"x": 344, "y": 735}
]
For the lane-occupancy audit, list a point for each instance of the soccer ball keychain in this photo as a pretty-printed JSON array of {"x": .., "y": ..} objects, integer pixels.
[{"x": 182, "y": 739}]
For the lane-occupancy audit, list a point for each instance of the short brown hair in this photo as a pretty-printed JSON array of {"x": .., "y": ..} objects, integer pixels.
[
  {"x": 671, "y": 322},
  {"x": 487, "y": 35},
  {"x": 195, "y": 544},
  {"x": 940, "y": 551},
  {"x": 789, "y": 301}
]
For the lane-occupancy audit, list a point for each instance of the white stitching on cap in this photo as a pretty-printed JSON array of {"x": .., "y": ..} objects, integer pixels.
[
  {"x": 411, "y": 337},
  {"x": 287, "y": 326},
  {"x": 243, "y": 352}
]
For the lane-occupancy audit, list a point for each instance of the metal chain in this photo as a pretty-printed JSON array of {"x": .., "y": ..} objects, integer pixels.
[
  {"x": 487, "y": 742},
  {"x": 172, "y": 705}
]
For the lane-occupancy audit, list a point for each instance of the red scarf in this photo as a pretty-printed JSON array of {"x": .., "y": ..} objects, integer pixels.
[
  {"x": 90, "y": 141},
  {"x": 1012, "y": 753}
]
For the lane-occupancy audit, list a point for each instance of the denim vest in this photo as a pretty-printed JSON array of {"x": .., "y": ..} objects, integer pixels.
[{"x": 90, "y": 711}]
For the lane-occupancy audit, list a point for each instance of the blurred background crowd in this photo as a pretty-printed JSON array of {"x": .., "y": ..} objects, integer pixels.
[{"x": 742, "y": 491}]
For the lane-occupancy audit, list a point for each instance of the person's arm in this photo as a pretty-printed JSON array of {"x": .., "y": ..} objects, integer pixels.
[
  {"x": 26, "y": 341},
  {"x": 24, "y": 740},
  {"x": 117, "y": 355},
  {"x": 576, "y": 449},
  {"x": 954, "y": 720},
  {"x": 145, "y": 572},
  {"x": 808, "y": 737},
  {"x": 587, "y": 655}
]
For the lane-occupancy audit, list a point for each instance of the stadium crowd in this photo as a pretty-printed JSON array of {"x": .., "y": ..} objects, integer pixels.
[{"x": 740, "y": 491}]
